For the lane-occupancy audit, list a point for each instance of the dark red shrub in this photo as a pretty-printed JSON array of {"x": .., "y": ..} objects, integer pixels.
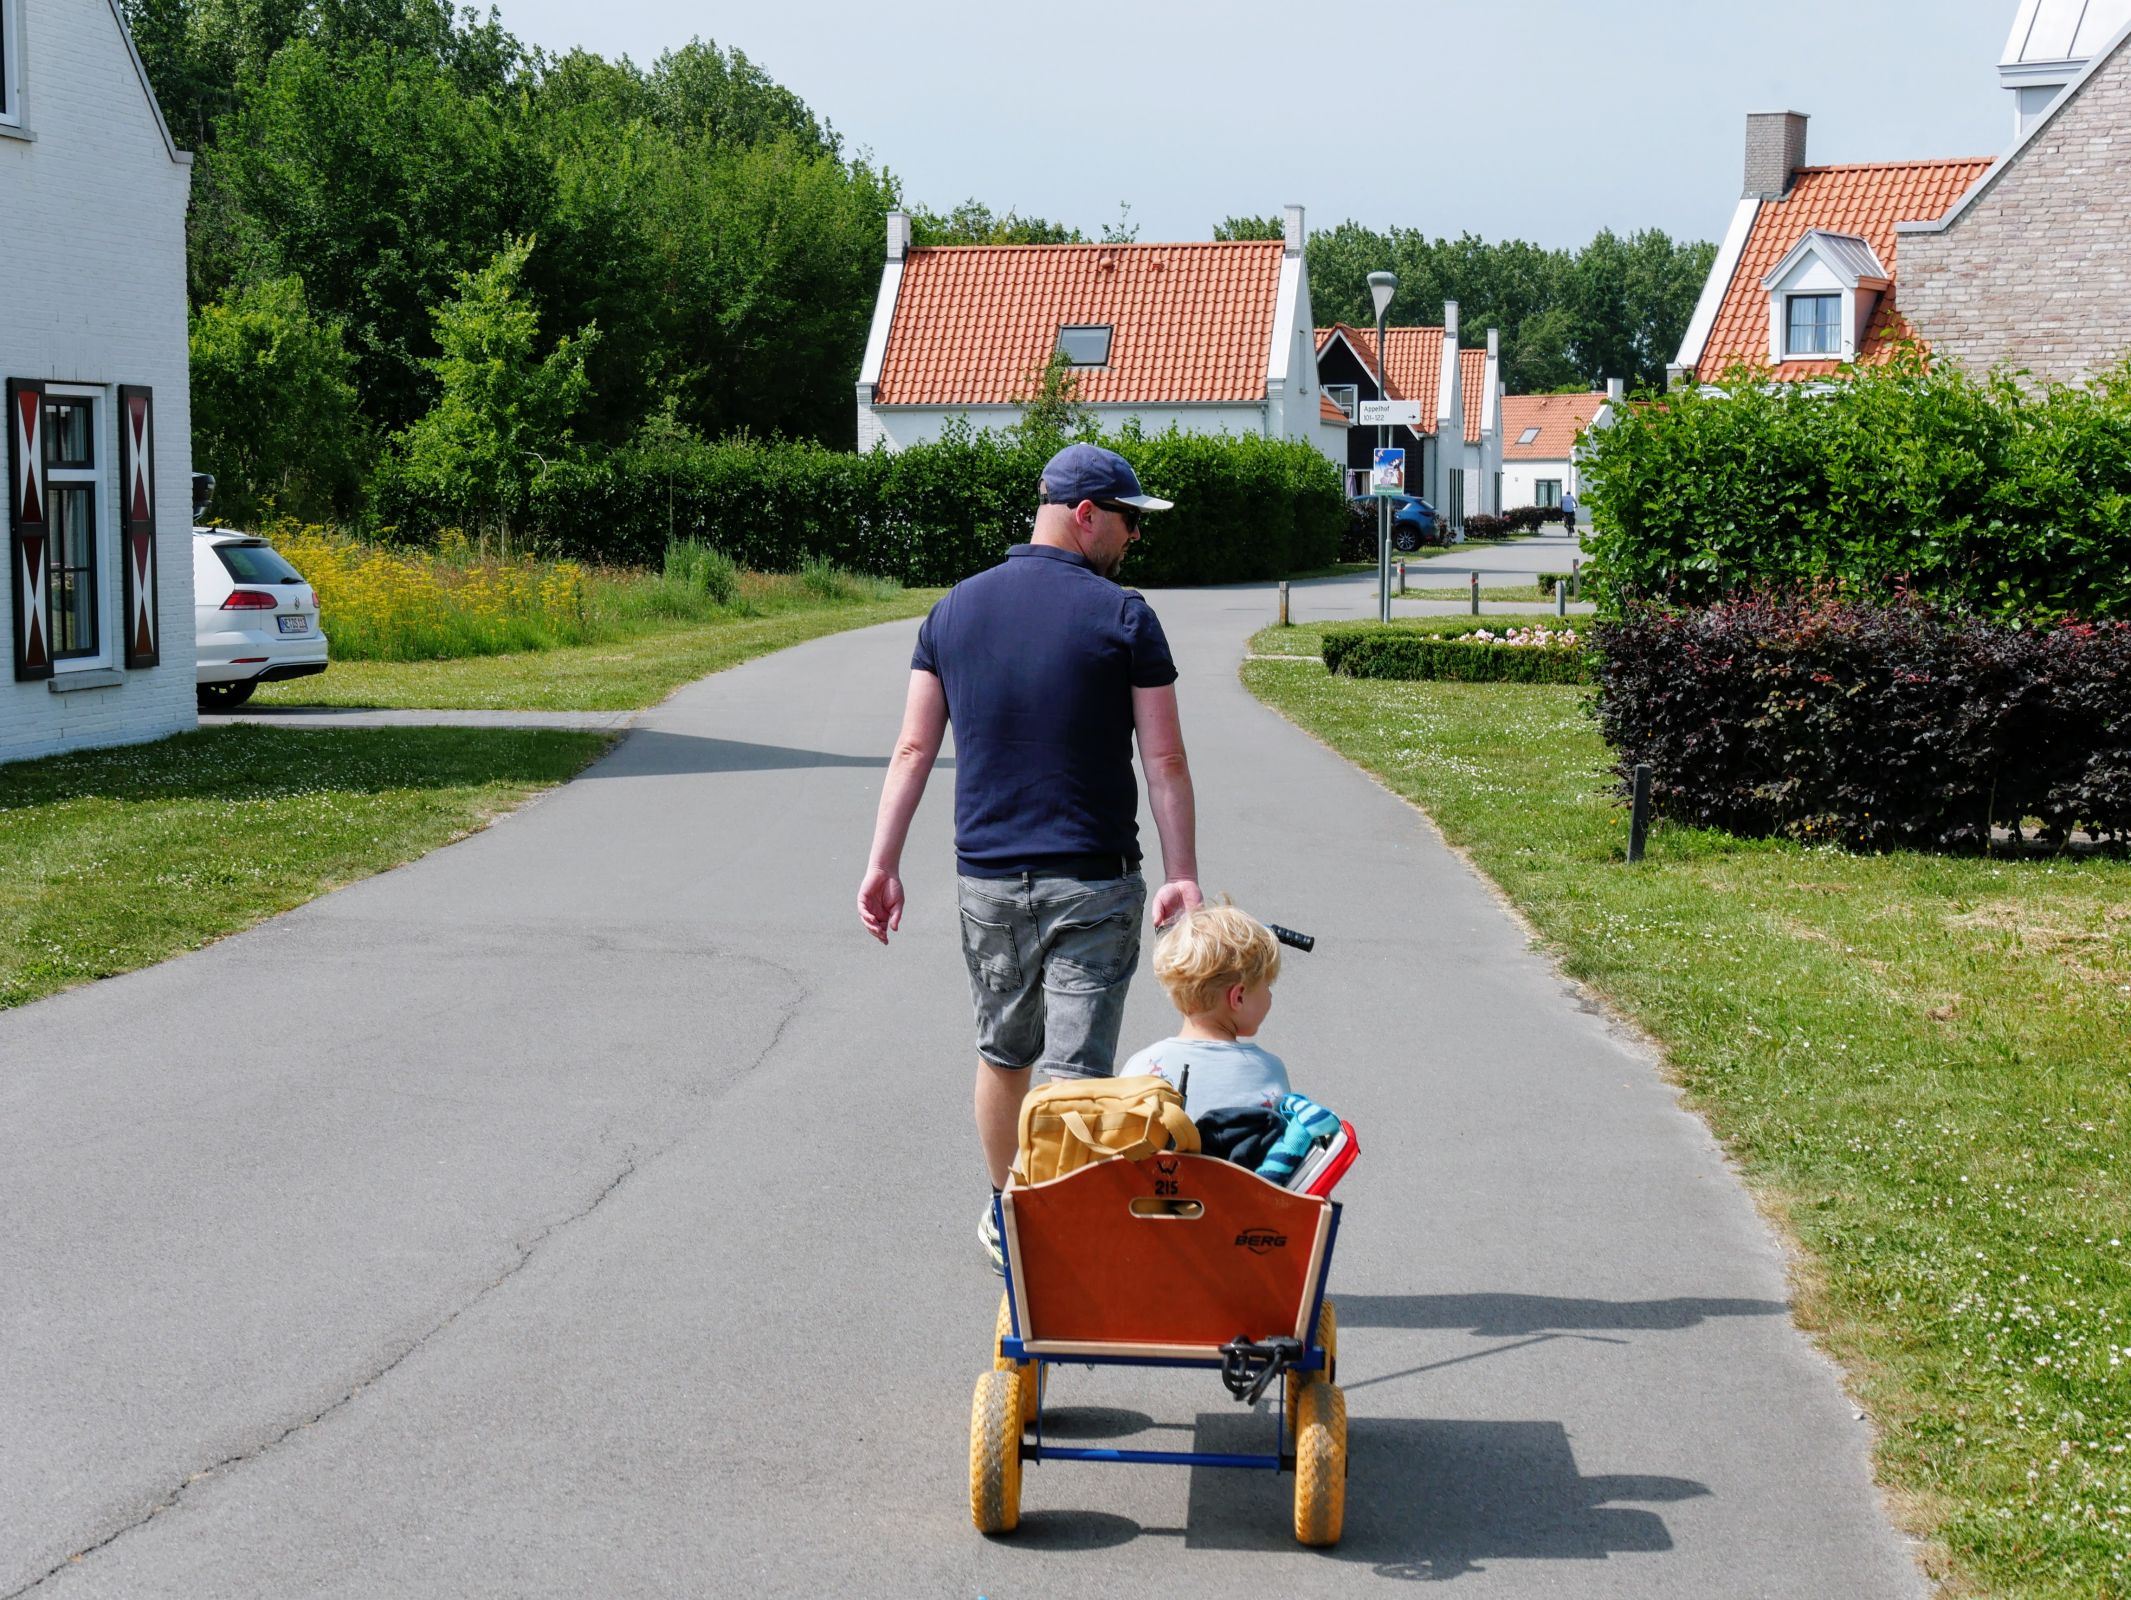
[{"x": 1875, "y": 725}]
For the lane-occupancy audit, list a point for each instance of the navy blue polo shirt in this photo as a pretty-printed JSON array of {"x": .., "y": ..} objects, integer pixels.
[{"x": 1039, "y": 657}]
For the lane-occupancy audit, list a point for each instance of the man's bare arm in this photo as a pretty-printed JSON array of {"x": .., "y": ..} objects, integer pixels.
[
  {"x": 1162, "y": 758},
  {"x": 880, "y": 894}
]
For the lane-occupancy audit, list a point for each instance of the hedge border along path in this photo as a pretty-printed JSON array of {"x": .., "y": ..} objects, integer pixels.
[{"x": 1372, "y": 650}]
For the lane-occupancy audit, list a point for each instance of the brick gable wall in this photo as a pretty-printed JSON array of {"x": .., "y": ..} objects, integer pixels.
[{"x": 2036, "y": 273}]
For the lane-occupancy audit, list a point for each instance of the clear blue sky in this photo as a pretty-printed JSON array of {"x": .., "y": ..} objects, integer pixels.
[{"x": 1536, "y": 119}]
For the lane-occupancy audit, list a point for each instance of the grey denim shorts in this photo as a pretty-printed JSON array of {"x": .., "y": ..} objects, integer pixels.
[{"x": 1050, "y": 960}]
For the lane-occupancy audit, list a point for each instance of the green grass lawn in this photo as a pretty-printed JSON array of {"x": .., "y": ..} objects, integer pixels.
[
  {"x": 116, "y": 859},
  {"x": 639, "y": 669},
  {"x": 1920, "y": 1064}
]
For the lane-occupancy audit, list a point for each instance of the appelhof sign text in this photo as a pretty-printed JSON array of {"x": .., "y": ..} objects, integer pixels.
[{"x": 1387, "y": 413}]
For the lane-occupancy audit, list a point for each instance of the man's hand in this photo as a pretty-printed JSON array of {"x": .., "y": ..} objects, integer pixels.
[
  {"x": 1174, "y": 898},
  {"x": 880, "y": 902}
]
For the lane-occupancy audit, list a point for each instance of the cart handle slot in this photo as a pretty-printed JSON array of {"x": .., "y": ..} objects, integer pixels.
[{"x": 1163, "y": 1209}]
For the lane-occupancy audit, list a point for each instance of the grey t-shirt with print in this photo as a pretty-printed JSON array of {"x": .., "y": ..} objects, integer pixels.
[{"x": 1224, "y": 1072}]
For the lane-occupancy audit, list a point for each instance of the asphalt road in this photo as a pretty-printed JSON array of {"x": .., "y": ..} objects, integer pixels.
[{"x": 588, "y": 1210}]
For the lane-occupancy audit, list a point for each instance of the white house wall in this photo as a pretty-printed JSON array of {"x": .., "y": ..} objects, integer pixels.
[
  {"x": 92, "y": 257},
  {"x": 1520, "y": 481},
  {"x": 903, "y": 426}
]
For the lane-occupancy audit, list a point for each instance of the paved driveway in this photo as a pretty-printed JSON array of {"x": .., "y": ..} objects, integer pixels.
[{"x": 587, "y": 1210}]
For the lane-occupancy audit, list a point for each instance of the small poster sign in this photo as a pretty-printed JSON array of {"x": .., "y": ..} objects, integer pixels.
[{"x": 1387, "y": 475}]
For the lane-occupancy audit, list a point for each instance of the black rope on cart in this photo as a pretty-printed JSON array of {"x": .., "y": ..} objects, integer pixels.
[{"x": 1249, "y": 1366}]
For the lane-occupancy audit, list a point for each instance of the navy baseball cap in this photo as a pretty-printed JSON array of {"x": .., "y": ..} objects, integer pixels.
[{"x": 1089, "y": 472}]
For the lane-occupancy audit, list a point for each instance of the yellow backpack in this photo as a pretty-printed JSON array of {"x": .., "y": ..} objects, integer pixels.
[{"x": 1065, "y": 1126}]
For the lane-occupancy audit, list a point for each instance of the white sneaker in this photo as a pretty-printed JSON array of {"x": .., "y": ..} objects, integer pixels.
[{"x": 988, "y": 1236}]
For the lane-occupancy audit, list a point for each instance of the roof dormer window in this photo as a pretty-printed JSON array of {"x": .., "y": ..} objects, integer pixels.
[
  {"x": 1528, "y": 435},
  {"x": 1813, "y": 325},
  {"x": 1821, "y": 297},
  {"x": 1085, "y": 344}
]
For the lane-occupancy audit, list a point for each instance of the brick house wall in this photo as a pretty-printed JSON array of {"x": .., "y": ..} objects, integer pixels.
[
  {"x": 92, "y": 293},
  {"x": 2032, "y": 271}
]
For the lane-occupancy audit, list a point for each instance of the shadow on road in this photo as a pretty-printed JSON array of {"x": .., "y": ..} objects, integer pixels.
[
  {"x": 1427, "y": 1500},
  {"x": 651, "y": 752},
  {"x": 1502, "y": 1316}
]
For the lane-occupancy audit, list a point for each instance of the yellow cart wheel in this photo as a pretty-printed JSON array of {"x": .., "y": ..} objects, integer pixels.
[
  {"x": 1328, "y": 1337},
  {"x": 995, "y": 1454},
  {"x": 1031, "y": 1374},
  {"x": 1320, "y": 1463}
]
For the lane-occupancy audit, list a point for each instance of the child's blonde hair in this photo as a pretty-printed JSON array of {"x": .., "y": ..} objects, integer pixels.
[{"x": 1207, "y": 951}]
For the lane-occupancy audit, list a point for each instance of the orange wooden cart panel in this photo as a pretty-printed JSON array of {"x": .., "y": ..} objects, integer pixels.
[{"x": 1175, "y": 1250}]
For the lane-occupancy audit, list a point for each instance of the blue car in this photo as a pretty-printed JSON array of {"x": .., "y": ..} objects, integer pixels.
[{"x": 1413, "y": 521}]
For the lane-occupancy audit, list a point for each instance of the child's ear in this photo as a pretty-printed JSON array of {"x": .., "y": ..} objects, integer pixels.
[{"x": 1236, "y": 992}]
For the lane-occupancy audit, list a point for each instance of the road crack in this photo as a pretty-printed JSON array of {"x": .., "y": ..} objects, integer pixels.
[{"x": 176, "y": 1496}]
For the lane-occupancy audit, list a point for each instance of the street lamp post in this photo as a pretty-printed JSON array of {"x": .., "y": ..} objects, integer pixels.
[{"x": 1382, "y": 286}]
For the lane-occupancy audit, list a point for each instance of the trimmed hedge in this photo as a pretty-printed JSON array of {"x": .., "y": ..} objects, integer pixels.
[
  {"x": 1246, "y": 507},
  {"x": 1875, "y": 726},
  {"x": 1974, "y": 493},
  {"x": 1530, "y": 519},
  {"x": 1371, "y": 650}
]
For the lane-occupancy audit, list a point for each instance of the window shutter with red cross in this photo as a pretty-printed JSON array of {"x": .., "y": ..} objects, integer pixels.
[
  {"x": 27, "y": 568},
  {"x": 136, "y": 526}
]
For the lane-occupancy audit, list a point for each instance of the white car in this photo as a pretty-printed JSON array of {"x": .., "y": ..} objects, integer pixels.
[{"x": 256, "y": 619}]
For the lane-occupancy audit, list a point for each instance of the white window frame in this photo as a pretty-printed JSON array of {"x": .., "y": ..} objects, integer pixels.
[
  {"x": 1835, "y": 326},
  {"x": 11, "y": 63},
  {"x": 1346, "y": 396},
  {"x": 103, "y": 545}
]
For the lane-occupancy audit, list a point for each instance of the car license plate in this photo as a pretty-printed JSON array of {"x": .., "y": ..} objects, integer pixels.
[{"x": 294, "y": 624}]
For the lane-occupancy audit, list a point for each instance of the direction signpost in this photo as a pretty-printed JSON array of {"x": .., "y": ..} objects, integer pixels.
[{"x": 1388, "y": 413}]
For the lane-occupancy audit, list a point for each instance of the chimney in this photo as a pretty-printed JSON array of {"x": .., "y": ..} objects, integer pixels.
[
  {"x": 1616, "y": 390},
  {"x": 898, "y": 235},
  {"x": 1775, "y": 148},
  {"x": 1291, "y": 231},
  {"x": 1449, "y": 392},
  {"x": 1494, "y": 344}
]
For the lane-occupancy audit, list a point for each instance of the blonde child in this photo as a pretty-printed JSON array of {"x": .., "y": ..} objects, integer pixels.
[{"x": 1218, "y": 966}]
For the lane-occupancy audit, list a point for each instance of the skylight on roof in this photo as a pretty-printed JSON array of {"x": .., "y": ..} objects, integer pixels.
[
  {"x": 1085, "y": 345},
  {"x": 1528, "y": 435}
]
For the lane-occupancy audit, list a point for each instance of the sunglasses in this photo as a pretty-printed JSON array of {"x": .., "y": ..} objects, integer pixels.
[{"x": 1129, "y": 513}]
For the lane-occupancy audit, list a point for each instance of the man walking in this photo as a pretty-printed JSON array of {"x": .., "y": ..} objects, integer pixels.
[{"x": 1049, "y": 672}]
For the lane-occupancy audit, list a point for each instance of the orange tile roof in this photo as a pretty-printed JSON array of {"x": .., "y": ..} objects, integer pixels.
[
  {"x": 974, "y": 324},
  {"x": 1328, "y": 410},
  {"x": 1558, "y": 417},
  {"x": 1472, "y": 373},
  {"x": 1867, "y": 200}
]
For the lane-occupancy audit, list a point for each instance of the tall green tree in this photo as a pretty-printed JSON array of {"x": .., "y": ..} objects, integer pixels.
[
  {"x": 381, "y": 179},
  {"x": 973, "y": 222},
  {"x": 274, "y": 414},
  {"x": 504, "y": 413},
  {"x": 1615, "y": 308}
]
